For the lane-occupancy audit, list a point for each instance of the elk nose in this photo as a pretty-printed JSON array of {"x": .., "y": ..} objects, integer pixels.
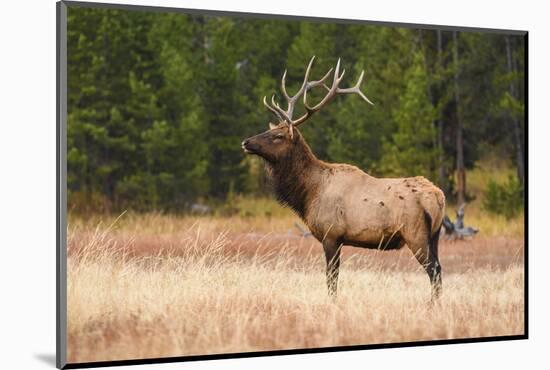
[{"x": 243, "y": 144}]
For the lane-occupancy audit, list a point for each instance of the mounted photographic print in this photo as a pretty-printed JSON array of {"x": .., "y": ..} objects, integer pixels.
[{"x": 235, "y": 184}]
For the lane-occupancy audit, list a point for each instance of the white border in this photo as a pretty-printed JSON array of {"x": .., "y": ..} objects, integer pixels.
[{"x": 28, "y": 181}]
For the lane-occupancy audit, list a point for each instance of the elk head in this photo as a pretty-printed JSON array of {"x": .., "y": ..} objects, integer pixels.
[{"x": 282, "y": 137}]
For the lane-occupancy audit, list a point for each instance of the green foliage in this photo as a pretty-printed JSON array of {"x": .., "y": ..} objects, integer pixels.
[
  {"x": 412, "y": 149},
  {"x": 505, "y": 199},
  {"x": 158, "y": 103}
]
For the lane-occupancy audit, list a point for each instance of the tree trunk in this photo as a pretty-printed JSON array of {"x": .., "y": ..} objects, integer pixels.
[
  {"x": 460, "y": 173},
  {"x": 440, "y": 126},
  {"x": 514, "y": 117}
]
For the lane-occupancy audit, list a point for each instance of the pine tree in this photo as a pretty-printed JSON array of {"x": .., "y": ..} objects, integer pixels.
[{"x": 411, "y": 150}]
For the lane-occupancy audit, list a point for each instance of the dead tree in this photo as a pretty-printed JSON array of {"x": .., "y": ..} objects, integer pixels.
[{"x": 457, "y": 230}]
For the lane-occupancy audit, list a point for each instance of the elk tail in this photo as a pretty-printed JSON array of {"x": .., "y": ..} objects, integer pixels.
[
  {"x": 428, "y": 222},
  {"x": 434, "y": 210},
  {"x": 433, "y": 236}
]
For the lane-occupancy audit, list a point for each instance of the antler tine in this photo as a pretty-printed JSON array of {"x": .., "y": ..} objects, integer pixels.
[
  {"x": 321, "y": 82},
  {"x": 304, "y": 84},
  {"x": 331, "y": 92},
  {"x": 283, "y": 86},
  {"x": 291, "y": 101},
  {"x": 281, "y": 111},
  {"x": 274, "y": 111},
  {"x": 356, "y": 89}
]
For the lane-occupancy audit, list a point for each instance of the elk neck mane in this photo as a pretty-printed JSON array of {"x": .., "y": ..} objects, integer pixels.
[{"x": 296, "y": 177}]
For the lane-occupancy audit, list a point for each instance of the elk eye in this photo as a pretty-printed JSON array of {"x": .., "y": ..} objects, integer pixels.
[{"x": 279, "y": 136}]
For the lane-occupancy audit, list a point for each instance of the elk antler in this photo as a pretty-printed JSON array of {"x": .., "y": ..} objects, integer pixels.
[{"x": 286, "y": 115}]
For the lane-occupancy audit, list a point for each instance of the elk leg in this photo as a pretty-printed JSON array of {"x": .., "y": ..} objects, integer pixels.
[
  {"x": 434, "y": 267},
  {"x": 429, "y": 260},
  {"x": 332, "y": 255}
]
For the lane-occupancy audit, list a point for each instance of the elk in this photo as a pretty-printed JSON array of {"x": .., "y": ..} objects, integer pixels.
[{"x": 339, "y": 203}]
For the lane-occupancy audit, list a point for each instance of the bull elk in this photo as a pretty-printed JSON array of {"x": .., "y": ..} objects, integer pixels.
[{"x": 339, "y": 203}]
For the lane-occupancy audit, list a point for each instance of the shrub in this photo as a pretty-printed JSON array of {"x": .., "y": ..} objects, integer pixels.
[{"x": 505, "y": 199}]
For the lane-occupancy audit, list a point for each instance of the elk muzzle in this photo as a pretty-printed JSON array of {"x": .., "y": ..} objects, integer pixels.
[{"x": 249, "y": 147}]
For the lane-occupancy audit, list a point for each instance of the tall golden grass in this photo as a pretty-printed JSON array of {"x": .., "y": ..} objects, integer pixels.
[{"x": 155, "y": 285}]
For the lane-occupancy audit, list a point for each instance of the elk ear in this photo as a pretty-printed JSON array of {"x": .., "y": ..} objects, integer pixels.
[{"x": 272, "y": 126}]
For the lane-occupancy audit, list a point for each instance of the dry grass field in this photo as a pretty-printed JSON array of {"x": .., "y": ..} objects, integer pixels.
[{"x": 154, "y": 285}]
